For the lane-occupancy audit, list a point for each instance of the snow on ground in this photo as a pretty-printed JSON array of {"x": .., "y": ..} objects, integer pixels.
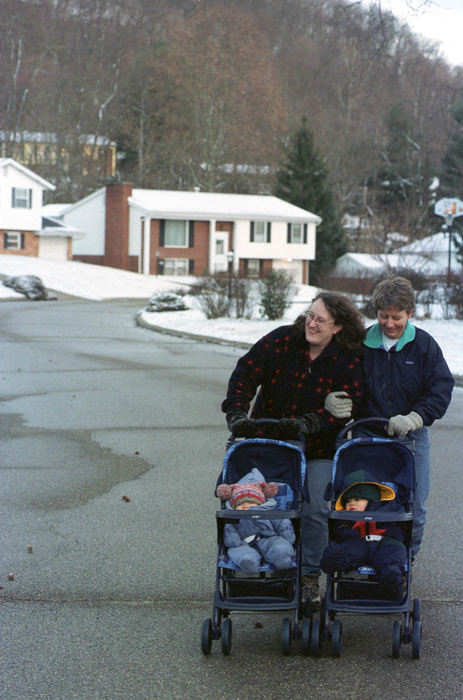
[{"x": 97, "y": 282}]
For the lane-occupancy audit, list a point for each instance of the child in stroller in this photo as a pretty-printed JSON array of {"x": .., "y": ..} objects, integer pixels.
[
  {"x": 251, "y": 541},
  {"x": 366, "y": 543},
  {"x": 382, "y": 583},
  {"x": 276, "y": 586}
]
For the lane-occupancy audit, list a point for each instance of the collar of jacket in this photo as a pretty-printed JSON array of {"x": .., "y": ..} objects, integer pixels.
[
  {"x": 374, "y": 337},
  {"x": 331, "y": 349}
]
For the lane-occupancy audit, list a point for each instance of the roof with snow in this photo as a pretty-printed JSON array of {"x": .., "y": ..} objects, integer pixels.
[
  {"x": 214, "y": 205},
  {"x": 12, "y": 163},
  {"x": 437, "y": 243},
  {"x": 351, "y": 264}
]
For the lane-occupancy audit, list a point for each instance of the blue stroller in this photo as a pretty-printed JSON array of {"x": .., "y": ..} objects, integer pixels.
[
  {"x": 391, "y": 465},
  {"x": 269, "y": 589}
]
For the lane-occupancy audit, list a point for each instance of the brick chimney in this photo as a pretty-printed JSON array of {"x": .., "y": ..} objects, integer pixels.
[{"x": 117, "y": 226}]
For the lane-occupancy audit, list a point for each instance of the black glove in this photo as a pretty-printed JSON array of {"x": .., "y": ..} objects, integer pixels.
[
  {"x": 241, "y": 426},
  {"x": 292, "y": 428}
]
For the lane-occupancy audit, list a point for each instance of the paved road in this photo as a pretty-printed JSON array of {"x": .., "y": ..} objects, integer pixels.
[{"x": 110, "y": 443}]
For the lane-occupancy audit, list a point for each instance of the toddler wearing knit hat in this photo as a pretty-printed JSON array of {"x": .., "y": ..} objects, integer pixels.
[{"x": 249, "y": 542}]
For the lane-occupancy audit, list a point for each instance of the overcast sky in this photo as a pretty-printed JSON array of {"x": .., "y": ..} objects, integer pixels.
[{"x": 439, "y": 20}]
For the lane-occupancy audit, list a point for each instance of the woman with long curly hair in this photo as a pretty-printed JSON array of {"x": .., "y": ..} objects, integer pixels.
[{"x": 293, "y": 369}]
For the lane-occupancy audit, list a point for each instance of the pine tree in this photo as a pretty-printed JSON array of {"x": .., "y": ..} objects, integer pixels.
[
  {"x": 451, "y": 176},
  {"x": 303, "y": 181}
]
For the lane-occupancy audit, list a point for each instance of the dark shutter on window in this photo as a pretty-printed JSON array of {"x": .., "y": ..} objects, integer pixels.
[
  {"x": 269, "y": 232},
  {"x": 22, "y": 241},
  {"x": 288, "y": 234},
  {"x": 191, "y": 267},
  {"x": 305, "y": 233},
  {"x": 29, "y": 199},
  {"x": 191, "y": 234},
  {"x": 162, "y": 226},
  {"x": 5, "y": 241},
  {"x": 251, "y": 238},
  {"x": 13, "y": 190}
]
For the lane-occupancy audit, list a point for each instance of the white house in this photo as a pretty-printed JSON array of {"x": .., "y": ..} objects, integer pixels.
[
  {"x": 175, "y": 233},
  {"x": 428, "y": 256},
  {"x": 436, "y": 248},
  {"x": 23, "y": 230}
]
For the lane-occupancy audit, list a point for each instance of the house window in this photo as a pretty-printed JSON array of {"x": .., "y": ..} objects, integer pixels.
[
  {"x": 296, "y": 233},
  {"x": 260, "y": 232},
  {"x": 21, "y": 198},
  {"x": 253, "y": 268},
  {"x": 220, "y": 246},
  {"x": 13, "y": 240},
  {"x": 175, "y": 266},
  {"x": 175, "y": 234}
]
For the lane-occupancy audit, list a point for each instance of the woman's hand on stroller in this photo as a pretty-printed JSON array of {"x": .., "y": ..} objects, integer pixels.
[
  {"x": 292, "y": 428},
  {"x": 241, "y": 426},
  {"x": 339, "y": 404}
]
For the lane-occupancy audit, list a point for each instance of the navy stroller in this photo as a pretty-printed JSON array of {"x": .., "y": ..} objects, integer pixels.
[
  {"x": 391, "y": 465},
  {"x": 269, "y": 589}
]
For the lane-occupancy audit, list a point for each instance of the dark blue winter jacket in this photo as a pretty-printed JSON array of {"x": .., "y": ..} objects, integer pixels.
[{"x": 412, "y": 376}]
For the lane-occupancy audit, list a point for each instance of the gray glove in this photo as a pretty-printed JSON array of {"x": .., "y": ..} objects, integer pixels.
[
  {"x": 399, "y": 425},
  {"x": 339, "y": 404}
]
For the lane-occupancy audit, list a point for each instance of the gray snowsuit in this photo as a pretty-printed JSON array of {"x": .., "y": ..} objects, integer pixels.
[{"x": 251, "y": 541}]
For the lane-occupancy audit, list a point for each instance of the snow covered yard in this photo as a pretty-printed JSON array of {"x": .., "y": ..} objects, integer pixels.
[{"x": 99, "y": 283}]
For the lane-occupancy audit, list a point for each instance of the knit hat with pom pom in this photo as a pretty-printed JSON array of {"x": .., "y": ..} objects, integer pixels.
[{"x": 256, "y": 493}]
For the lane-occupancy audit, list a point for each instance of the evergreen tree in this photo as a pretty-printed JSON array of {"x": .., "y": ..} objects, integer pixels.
[
  {"x": 303, "y": 181},
  {"x": 451, "y": 176}
]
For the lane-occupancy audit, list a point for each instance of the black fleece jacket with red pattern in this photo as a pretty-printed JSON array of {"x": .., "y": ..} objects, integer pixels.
[{"x": 292, "y": 385}]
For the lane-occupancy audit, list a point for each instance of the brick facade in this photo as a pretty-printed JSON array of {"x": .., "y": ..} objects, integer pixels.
[
  {"x": 117, "y": 226},
  {"x": 198, "y": 252},
  {"x": 31, "y": 244}
]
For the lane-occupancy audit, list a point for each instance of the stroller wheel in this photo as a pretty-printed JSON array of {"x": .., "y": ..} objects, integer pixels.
[
  {"x": 416, "y": 640},
  {"x": 206, "y": 636},
  {"x": 315, "y": 637},
  {"x": 416, "y": 610},
  {"x": 336, "y": 638},
  {"x": 286, "y": 636},
  {"x": 396, "y": 638},
  {"x": 305, "y": 636},
  {"x": 226, "y": 636}
]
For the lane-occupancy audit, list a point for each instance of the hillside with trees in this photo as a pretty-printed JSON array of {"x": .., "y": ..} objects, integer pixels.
[{"x": 212, "y": 93}]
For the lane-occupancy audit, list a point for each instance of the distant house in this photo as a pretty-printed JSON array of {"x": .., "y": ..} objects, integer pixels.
[
  {"x": 428, "y": 256},
  {"x": 44, "y": 150},
  {"x": 436, "y": 248},
  {"x": 192, "y": 233},
  {"x": 23, "y": 229}
]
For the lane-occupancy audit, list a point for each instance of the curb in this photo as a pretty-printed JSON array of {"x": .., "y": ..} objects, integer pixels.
[
  {"x": 217, "y": 341},
  {"x": 140, "y": 321}
]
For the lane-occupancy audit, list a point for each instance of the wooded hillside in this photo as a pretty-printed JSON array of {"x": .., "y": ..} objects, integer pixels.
[{"x": 205, "y": 93}]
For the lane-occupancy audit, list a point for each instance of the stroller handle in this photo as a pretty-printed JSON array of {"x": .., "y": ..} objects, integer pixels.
[{"x": 373, "y": 420}]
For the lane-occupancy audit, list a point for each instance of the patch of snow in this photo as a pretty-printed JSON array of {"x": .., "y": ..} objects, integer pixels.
[{"x": 97, "y": 282}]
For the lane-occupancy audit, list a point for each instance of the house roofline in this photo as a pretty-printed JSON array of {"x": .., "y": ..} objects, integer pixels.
[
  {"x": 30, "y": 173},
  {"x": 220, "y": 216}
]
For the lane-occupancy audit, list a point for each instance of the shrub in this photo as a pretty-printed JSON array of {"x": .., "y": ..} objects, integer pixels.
[
  {"x": 213, "y": 296},
  {"x": 275, "y": 290},
  {"x": 455, "y": 295}
]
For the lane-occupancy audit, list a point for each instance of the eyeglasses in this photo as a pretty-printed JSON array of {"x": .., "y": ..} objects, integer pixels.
[{"x": 310, "y": 318}]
